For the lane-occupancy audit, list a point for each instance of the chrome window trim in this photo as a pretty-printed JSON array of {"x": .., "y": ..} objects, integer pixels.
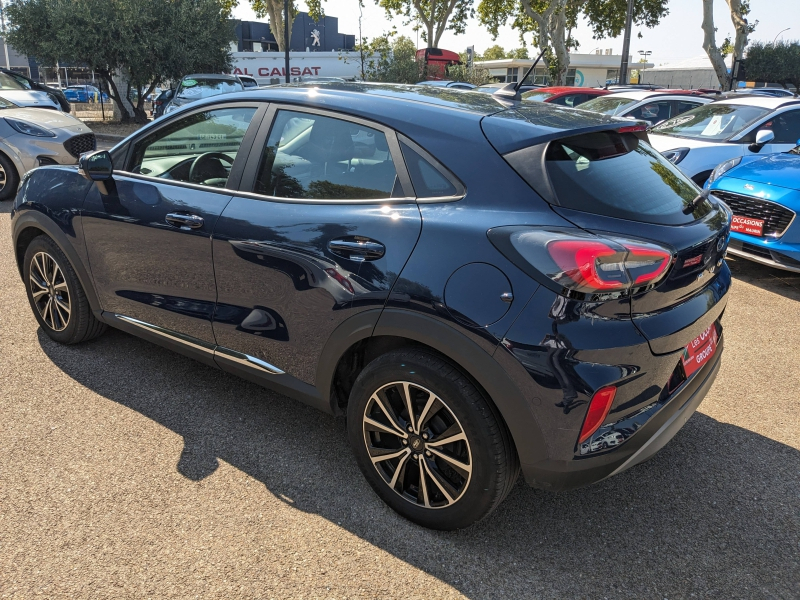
[
  {"x": 198, "y": 344},
  {"x": 255, "y": 196},
  {"x": 193, "y": 186}
]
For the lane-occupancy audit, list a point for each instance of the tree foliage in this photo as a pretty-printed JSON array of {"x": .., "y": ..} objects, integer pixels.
[
  {"x": 148, "y": 41},
  {"x": 774, "y": 63},
  {"x": 550, "y": 21},
  {"x": 433, "y": 16}
]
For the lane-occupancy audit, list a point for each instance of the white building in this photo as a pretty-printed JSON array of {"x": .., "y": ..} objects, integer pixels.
[
  {"x": 585, "y": 70},
  {"x": 688, "y": 74}
]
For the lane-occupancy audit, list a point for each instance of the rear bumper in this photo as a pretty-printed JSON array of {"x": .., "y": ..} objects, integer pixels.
[{"x": 654, "y": 435}]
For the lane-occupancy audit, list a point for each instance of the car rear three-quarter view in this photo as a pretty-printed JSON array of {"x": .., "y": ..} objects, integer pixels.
[{"x": 478, "y": 288}]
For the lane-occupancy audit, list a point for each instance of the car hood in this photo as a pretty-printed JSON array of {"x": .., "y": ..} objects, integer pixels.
[
  {"x": 782, "y": 170},
  {"x": 50, "y": 119},
  {"x": 670, "y": 142},
  {"x": 28, "y": 98}
]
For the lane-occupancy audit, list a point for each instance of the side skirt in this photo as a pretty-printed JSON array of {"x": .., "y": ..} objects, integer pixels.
[{"x": 243, "y": 365}]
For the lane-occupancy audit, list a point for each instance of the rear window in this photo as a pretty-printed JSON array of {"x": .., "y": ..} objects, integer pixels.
[{"x": 618, "y": 175}]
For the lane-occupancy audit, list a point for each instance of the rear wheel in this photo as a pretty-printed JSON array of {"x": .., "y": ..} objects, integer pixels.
[
  {"x": 56, "y": 296},
  {"x": 428, "y": 442},
  {"x": 9, "y": 179}
]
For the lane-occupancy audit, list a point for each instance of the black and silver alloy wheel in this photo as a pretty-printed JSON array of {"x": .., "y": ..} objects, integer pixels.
[
  {"x": 417, "y": 444},
  {"x": 49, "y": 291},
  {"x": 3, "y": 178}
]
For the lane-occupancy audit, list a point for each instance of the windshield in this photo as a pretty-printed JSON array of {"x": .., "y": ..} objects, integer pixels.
[
  {"x": 10, "y": 83},
  {"x": 6, "y": 104},
  {"x": 712, "y": 121},
  {"x": 537, "y": 96},
  {"x": 608, "y": 105},
  {"x": 204, "y": 88}
]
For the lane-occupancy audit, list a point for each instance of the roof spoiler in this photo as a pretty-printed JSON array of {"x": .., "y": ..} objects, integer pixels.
[{"x": 511, "y": 91}]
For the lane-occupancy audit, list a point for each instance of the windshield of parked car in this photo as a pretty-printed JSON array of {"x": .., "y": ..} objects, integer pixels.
[
  {"x": 537, "y": 96},
  {"x": 712, "y": 121},
  {"x": 197, "y": 88},
  {"x": 10, "y": 83},
  {"x": 608, "y": 105}
]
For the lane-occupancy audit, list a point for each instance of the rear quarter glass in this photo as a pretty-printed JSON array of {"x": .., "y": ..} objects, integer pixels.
[{"x": 612, "y": 174}]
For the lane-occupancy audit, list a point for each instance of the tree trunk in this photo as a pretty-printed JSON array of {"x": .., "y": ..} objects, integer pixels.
[
  {"x": 558, "y": 30},
  {"x": 275, "y": 12},
  {"x": 114, "y": 94},
  {"x": 740, "y": 25},
  {"x": 441, "y": 25},
  {"x": 710, "y": 45}
]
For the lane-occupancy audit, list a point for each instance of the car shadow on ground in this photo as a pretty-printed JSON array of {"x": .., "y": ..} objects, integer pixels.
[
  {"x": 778, "y": 281},
  {"x": 716, "y": 513}
]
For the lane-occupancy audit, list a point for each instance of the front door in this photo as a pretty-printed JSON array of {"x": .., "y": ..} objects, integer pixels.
[
  {"x": 148, "y": 237},
  {"x": 785, "y": 126},
  {"x": 329, "y": 224}
]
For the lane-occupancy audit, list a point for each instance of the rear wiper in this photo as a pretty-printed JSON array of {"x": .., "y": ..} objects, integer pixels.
[{"x": 697, "y": 200}]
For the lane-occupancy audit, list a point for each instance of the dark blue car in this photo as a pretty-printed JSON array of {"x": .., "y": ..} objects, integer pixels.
[
  {"x": 479, "y": 288},
  {"x": 764, "y": 195}
]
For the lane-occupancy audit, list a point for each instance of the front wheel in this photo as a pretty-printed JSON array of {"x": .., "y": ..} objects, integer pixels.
[
  {"x": 428, "y": 442},
  {"x": 9, "y": 179}
]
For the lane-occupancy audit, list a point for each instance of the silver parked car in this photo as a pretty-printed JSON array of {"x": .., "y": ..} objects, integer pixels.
[
  {"x": 31, "y": 137},
  {"x": 13, "y": 90}
]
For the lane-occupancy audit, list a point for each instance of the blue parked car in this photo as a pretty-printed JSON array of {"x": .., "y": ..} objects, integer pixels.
[
  {"x": 84, "y": 93},
  {"x": 764, "y": 195}
]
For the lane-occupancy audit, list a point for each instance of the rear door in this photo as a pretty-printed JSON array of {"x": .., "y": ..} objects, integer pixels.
[
  {"x": 149, "y": 236},
  {"x": 324, "y": 224}
]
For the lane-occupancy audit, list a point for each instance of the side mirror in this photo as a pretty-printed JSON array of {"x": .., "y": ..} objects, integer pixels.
[
  {"x": 96, "y": 166},
  {"x": 763, "y": 137}
]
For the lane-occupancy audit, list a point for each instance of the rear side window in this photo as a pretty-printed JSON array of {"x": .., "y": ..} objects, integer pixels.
[
  {"x": 618, "y": 175},
  {"x": 427, "y": 180}
]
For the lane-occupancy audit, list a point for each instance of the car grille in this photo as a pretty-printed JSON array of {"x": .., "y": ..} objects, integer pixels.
[
  {"x": 776, "y": 217},
  {"x": 80, "y": 143}
]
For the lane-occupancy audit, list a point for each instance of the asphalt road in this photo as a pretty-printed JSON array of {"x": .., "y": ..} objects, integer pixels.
[{"x": 128, "y": 471}]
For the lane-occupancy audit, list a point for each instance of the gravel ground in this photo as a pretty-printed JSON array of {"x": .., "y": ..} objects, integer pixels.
[{"x": 128, "y": 471}]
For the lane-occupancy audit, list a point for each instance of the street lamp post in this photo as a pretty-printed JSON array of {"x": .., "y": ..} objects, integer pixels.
[
  {"x": 780, "y": 32},
  {"x": 644, "y": 53},
  {"x": 3, "y": 26},
  {"x": 286, "y": 38}
]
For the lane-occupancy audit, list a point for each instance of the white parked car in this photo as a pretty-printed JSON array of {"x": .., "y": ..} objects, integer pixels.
[
  {"x": 653, "y": 106},
  {"x": 727, "y": 130}
]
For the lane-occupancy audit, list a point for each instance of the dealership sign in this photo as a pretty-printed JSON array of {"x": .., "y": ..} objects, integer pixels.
[{"x": 267, "y": 66}]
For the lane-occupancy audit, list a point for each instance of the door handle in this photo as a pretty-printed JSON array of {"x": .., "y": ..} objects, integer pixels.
[
  {"x": 184, "y": 221},
  {"x": 357, "y": 248}
]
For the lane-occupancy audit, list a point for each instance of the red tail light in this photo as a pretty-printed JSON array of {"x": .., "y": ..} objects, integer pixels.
[
  {"x": 598, "y": 411},
  {"x": 632, "y": 128}
]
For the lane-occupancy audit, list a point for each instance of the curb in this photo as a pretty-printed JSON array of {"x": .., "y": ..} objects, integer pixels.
[{"x": 107, "y": 137}]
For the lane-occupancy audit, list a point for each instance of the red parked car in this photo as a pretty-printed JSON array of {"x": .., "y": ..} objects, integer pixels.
[{"x": 563, "y": 95}]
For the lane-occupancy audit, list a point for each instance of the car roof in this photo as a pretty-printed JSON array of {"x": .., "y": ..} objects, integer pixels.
[{"x": 769, "y": 102}]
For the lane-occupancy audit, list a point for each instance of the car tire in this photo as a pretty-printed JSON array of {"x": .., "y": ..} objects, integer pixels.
[
  {"x": 56, "y": 296},
  {"x": 463, "y": 480},
  {"x": 9, "y": 177}
]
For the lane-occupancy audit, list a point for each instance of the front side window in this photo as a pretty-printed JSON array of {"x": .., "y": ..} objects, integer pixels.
[
  {"x": 198, "y": 149},
  {"x": 785, "y": 126},
  {"x": 652, "y": 112},
  {"x": 7, "y": 82},
  {"x": 713, "y": 122},
  {"x": 309, "y": 156}
]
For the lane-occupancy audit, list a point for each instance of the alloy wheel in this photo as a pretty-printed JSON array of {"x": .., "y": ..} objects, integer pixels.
[
  {"x": 49, "y": 291},
  {"x": 417, "y": 444},
  {"x": 2, "y": 178}
]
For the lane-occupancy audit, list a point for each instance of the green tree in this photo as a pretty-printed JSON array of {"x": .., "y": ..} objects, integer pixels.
[
  {"x": 147, "y": 41},
  {"x": 550, "y": 21},
  {"x": 495, "y": 52},
  {"x": 434, "y": 16},
  {"x": 389, "y": 60},
  {"x": 519, "y": 53},
  {"x": 776, "y": 63}
]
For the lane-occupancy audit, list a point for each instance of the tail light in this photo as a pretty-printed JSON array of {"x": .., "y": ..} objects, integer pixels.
[
  {"x": 340, "y": 279},
  {"x": 580, "y": 264},
  {"x": 598, "y": 411}
]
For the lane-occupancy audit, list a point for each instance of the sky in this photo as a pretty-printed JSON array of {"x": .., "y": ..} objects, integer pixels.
[{"x": 677, "y": 37}]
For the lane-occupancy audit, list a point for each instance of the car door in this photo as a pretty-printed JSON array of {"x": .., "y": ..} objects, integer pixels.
[
  {"x": 681, "y": 106},
  {"x": 148, "y": 236},
  {"x": 786, "y": 127},
  {"x": 325, "y": 225}
]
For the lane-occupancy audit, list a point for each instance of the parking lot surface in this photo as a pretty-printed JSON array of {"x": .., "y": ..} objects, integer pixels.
[{"x": 129, "y": 471}]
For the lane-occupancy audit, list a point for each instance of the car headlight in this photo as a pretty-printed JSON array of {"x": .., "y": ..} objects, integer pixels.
[
  {"x": 723, "y": 168},
  {"x": 675, "y": 156},
  {"x": 29, "y": 128}
]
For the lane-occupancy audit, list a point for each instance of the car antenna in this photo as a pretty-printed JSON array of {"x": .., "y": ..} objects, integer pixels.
[{"x": 512, "y": 89}]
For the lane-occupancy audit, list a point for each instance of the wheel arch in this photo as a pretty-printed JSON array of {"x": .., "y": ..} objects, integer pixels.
[
  {"x": 30, "y": 225},
  {"x": 366, "y": 336}
]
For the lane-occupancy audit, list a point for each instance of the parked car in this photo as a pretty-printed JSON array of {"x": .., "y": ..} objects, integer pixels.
[
  {"x": 458, "y": 85},
  {"x": 248, "y": 82},
  {"x": 14, "y": 91},
  {"x": 699, "y": 140},
  {"x": 30, "y": 138},
  {"x": 651, "y": 106},
  {"x": 277, "y": 234},
  {"x": 764, "y": 195},
  {"x": 161, "y": 102},
  {"x": 197, "y": 87},
  {"x": 53, "y": 91},
  {"x": 84, "y": 93},
  {"x": 563, "y": 95},
  {"x": 768, "y": 91}
]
